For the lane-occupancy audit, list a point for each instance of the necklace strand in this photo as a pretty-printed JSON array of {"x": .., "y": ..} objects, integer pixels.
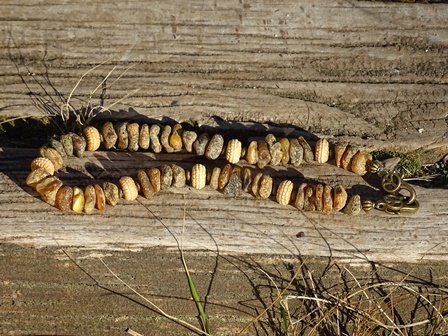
[{"x": 230, "y": 179}]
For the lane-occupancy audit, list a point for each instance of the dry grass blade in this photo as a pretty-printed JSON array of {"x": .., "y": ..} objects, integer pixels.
[
  {"x": 283, "y": 306},
  {"x": 66, "y": 108},
  {"x": 99, "y": 108},
  {"x": 191, "y": 285},
  {"x": 16, "y": 118},
  {"x": 82, "y": 119},
  {"x": 378, "y": 306},
  {"x": 153, "y": 305},
  {"x": 107, "y": 109},
  {"x": 255, "y": 319}
]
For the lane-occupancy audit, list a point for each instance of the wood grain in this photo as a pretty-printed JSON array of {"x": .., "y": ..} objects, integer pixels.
[
  {"x": 370, "y": 72},
  {"x": 374, "y": 73},
  {"x": 353, "y": 68},
  {"x": 206, "y": 220}
]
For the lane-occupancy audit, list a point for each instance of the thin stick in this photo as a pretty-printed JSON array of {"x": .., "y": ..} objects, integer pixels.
[{"x": 132, "y": 332}]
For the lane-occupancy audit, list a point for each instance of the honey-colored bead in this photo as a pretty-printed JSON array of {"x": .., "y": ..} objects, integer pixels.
[
  {"x": 265, "y": 189},
  {"x": 353, "y": 206},
  {"x": 123, "y": 136},
  {"x": 247, "y": 179},
  {"x": 252, "y": 153},
  {"x": 93, "y": 138},
  {"x": 89, "y": 199},
  {"x": 339, "y": 150},
  {"x": 154, "y": 138},
  {"x": 284, "y": 142},
  {"x": 361, "y": 162},
  {"x": 256, "y": 184},
  {"x": 318, "y": 197},
  {"x": 264, "y": 156},
  {"x": 327, "y": 200},
  {"x": 295, "y": 152},
  {"x": 322, "y": 151},
  {"x": 346, "y": 161},
  {"x": 79, "y": 145},
  {"x": 308, "y": 154},
  {"x": 165, "y": 139},
  {"x": 144, "y": 139},
  {"x": 78, "y": 200},
  {"x": 300, "y": 196},
  {"x": 179, "y": 177},
  {"x": 224, "y": 177},
  {"x": 52, "y": 155},
  {"x": 188, "y": 138},
  {"x": 36, "y": 176},
  {"x": 110, "y": 137},
  {"x": 284, "y": 192},
  {"x": 64, "y": 198},
  {"x": 129, "y": 188},
  {"x": 339, "y": 198},
  {"x": 67, "y": 143},
  {"x": 176, "y": 138},
  {"x": 243, "y": 152},
  {"x": 48, "y": 189},
  {"x": 198, "y": 176},
  {"x": 133, "y": 130},
  {"x": 154, "y": 178},
  {"x": 233, "y": 151},
  {"x": 41, "y": 162},
  {"x": 145, "y": 184},
  {"x": 166, "y": 177},
  {"x": 214, "y": 147},
  {"x": 214, "y": 178},
  {"x": 309, "y": 202},
  {"x": 111, "y": 193},
  {"x": 100, "y": 197}
]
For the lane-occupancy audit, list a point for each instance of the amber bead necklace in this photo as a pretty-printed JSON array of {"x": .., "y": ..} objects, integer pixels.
[{"x": 230, "y": 179}]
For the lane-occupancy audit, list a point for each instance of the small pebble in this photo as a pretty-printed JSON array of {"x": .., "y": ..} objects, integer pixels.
[
  {"x": 308, "y": 154},
  {"x": 214, "y": 147},
  {"x": 154, "y": 138},
  {"x": 234, "y": 186},
  {"x": 188, "y": 138},
  {"x": 123, "y": 137},
  {"x": 200, "y": 144},
  {"x": 144, "y": 140}
]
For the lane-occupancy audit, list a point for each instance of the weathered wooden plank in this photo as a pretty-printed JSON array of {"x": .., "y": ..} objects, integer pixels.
[
  {"x": 313, "y": 65},
  {"x": 215, "y": 222},
  {"x": 374, "y": 72}
]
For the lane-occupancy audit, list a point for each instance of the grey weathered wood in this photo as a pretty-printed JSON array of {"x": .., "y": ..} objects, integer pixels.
[
  {"x": 214, "y": 222},
  {"x": 351, "y": 69},
  {"x": 369, "y": 69}
]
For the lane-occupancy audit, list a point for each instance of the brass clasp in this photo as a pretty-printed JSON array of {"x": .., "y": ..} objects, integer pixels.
[{"x": 394, "y": 202}]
